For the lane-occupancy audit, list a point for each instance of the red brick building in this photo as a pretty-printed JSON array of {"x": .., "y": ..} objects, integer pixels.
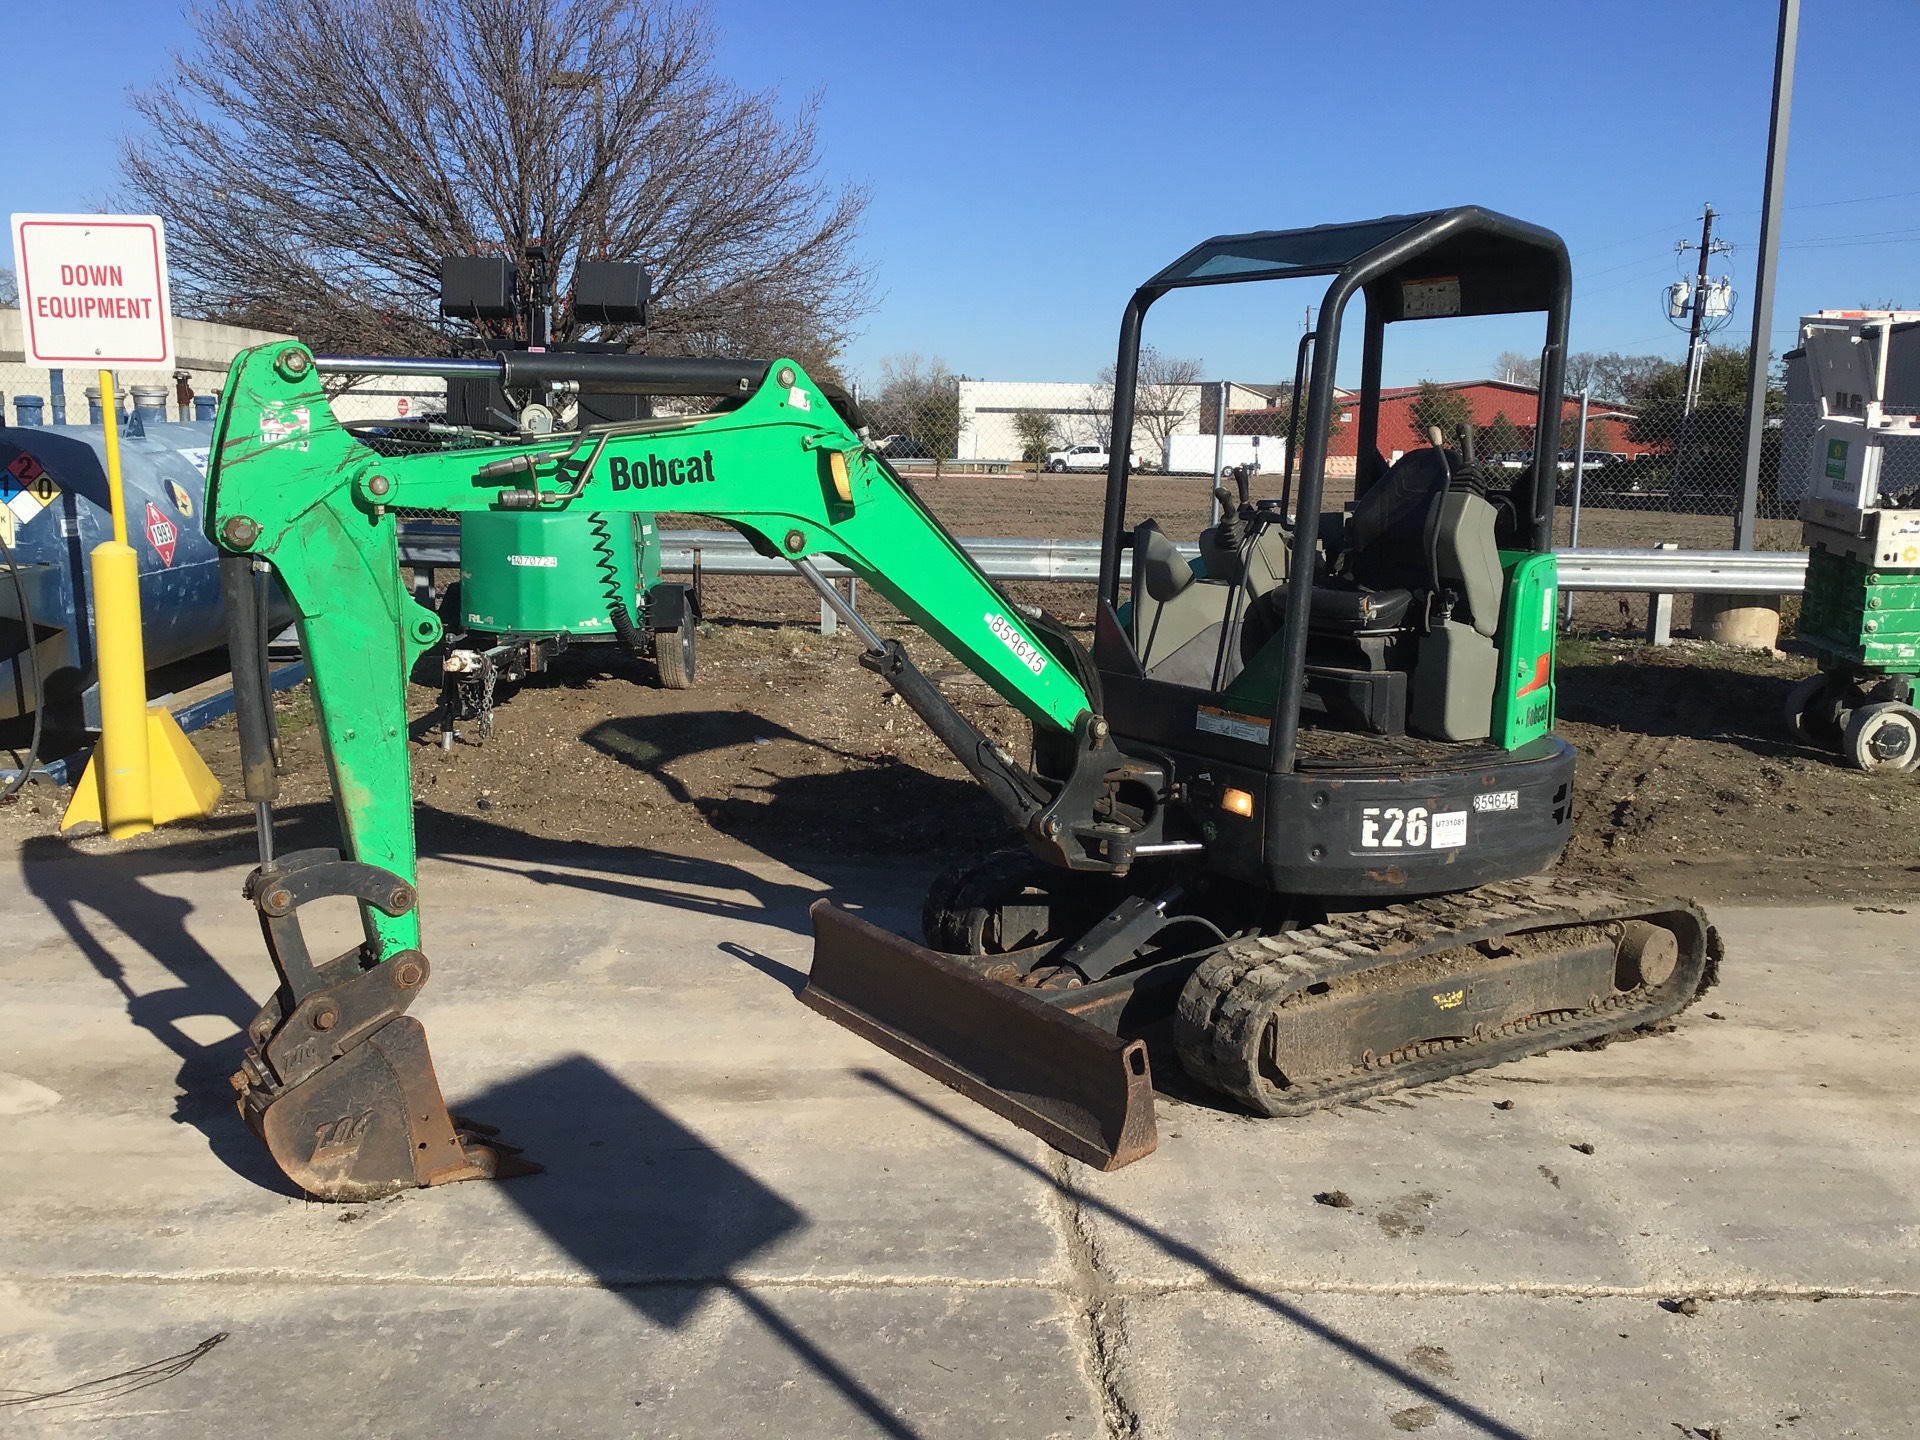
[{"x": 1486, "y": 399}]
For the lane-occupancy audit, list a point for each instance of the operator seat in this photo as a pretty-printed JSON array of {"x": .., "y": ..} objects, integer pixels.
[
  {"x": 1419, "y": 571},
  {"x": 1179, "y": 615}
]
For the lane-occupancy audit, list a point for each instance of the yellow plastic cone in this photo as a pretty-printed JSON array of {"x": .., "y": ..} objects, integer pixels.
[{"x": 180, "y": 786}]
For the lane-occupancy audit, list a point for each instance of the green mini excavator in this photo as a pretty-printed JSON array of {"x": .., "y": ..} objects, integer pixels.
[{"x": 1282, "y": 825}]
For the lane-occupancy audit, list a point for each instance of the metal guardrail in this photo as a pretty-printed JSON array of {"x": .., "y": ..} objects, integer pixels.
[
  {"x": 725, "y": 552},
  {"x": 1699, "y": 572}
]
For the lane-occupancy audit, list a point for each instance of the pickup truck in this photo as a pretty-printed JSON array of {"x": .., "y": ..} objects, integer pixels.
[{"x": 1085, "y": 457}]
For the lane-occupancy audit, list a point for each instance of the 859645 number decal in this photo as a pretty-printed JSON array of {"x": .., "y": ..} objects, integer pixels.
[{"x": 1411, "y": 827}]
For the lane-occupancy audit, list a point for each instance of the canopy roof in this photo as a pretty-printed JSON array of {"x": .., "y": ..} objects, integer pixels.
[{"x": 1484, "y": 263}]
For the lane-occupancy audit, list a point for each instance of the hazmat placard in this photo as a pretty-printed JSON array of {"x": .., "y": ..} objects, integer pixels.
[
  {"x": 26, "y": 489},
  {"x": 93, "y": 289},
  {"x": 162, "y": 534}
]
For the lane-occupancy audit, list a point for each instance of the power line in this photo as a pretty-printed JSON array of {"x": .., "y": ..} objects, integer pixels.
[
  {"x": 1829, "y": 204},
  {"x": 1865, "y": 237}
]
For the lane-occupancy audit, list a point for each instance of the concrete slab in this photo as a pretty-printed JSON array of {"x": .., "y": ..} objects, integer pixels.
[
  {"x": 400, "y": 1360},
  {"x": 694, "y": 1119},
  {"x": 1775, "y": 1149},
  {"x": 1218, "y": 1367},
  {"x": 754, "y": 1223}
]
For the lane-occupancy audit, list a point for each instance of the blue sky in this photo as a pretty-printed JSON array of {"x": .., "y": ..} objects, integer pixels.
[{"x": 1030, "y": 163}]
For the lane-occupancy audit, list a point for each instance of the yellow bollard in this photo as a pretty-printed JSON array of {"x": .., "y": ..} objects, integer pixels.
[{"x": 118, "y": 788}]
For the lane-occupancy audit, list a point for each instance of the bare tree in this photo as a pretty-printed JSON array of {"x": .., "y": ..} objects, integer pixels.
[
  {"x": 1615, "y": 379},
  {"x": 9, "y": 289},
  {"x": 920, "y": 400},
  {"x": 1165, "y": 393},
  {"x": 1516, "y": 369},
  {"x": 1096, "y": 418},
  {"x": 315, "y": 163}
]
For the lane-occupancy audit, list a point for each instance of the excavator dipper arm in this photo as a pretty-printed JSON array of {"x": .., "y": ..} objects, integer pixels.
[{"x": 343, "y": 1106}]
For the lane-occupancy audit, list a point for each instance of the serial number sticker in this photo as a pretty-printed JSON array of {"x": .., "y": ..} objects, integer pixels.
[
  {"x": 536, "y": 562},
  {"x": 1024, "y": 649},
  {"x": 1236, "y": 727},
  {"x": 1490, "y": 801},
  {"x": 1450, "y": 830}
]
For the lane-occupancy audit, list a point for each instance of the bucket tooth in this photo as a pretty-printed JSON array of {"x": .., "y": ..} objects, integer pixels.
[{"x": 1086, "y": 1092}]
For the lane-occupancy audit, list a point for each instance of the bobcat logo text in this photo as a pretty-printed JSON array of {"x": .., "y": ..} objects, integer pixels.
[{"x": 651, "y": 472}]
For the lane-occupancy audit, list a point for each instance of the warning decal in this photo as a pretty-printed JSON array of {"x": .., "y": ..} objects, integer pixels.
[{"x": 162, "y": 534}]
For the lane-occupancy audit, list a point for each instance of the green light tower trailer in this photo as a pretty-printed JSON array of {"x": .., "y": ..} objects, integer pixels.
[{"x": 533, "y": 584}]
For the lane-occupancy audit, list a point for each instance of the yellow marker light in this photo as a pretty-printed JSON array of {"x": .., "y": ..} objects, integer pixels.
[
  {"x": 842, "y": 480},
  {"x": 1236, "y": 802}
]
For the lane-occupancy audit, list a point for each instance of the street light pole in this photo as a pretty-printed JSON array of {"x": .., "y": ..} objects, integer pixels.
[{"x": 1757, "y": 352}]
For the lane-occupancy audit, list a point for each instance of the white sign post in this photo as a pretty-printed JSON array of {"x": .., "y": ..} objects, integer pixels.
[{"x": 93, "y": 292}]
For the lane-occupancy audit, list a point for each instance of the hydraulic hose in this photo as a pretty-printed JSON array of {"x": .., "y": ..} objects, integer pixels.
[
  {"x": 617, "y": 612},
  {"x": 39, "y": 695}
]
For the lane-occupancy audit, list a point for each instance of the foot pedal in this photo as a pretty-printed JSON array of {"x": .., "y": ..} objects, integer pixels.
[{"x": 338, "y": 1080}]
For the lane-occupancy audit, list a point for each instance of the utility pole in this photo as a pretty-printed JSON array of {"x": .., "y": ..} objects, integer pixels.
[
  {"x": 1699, "y": 313},
  {"x": 1783, "y": 55}
]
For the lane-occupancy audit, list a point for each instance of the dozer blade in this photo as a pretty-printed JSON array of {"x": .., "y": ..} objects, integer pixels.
[
  {"x": 1085, "y": 1092},
  {"x": 338, "y": 1081}
]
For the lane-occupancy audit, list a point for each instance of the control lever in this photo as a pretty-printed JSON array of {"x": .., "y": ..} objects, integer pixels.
[
  {"x": 1232, "y": 526},
  {"x": 1240, "y": 475}
]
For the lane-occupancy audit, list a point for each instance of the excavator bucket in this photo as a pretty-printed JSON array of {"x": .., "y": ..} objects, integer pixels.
[
  {"x": 1087, "y": 1093},
  {"x": 337, "y": 1080},
  {"x": 372, "y": 1122}
]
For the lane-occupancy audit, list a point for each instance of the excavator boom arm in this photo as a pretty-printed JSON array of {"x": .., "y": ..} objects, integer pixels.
[{"x": 288, "y": 484}]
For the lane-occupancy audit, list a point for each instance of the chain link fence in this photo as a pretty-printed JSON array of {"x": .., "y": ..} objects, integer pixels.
[{"x": 1030, "y": 458}]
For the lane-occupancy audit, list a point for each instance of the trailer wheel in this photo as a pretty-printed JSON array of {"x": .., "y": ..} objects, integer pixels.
[
  {"x": 1883, "y": 737},
  {"x": 673, "y": 654},
  {"x": 1813, "y": 715}
]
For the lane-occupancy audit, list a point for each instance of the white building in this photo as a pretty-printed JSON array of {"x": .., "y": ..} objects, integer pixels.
[
  {"x": 1079, "y": 412},
  {"x": 202, "y": 353}
]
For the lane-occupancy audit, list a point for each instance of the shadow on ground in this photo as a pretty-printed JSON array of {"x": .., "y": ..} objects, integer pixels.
[
  {"x": 1217, "y": 1273},
  {"x": 98, "y": 897},
  {"x": 659, "y": 1216},
  {"x": 856, "y": 805},
  {"x": 1698, "y": 702}
]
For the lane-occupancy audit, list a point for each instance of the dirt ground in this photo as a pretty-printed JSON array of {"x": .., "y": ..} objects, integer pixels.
[
  {"x": 786, "y": 747},
  {"x": 1687, "y": 781}
]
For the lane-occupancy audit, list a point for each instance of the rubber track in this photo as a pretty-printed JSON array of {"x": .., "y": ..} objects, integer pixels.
[{"x": 1226, "y": 1004}]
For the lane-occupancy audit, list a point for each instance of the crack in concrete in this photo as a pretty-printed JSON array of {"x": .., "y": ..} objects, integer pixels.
[
  {"x": 1098, "y": 1305},
  {"x": 1092, "y": 1282}
]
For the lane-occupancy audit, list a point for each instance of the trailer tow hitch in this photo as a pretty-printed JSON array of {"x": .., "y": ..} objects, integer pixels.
[{"x": 337, "y": 1080}]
